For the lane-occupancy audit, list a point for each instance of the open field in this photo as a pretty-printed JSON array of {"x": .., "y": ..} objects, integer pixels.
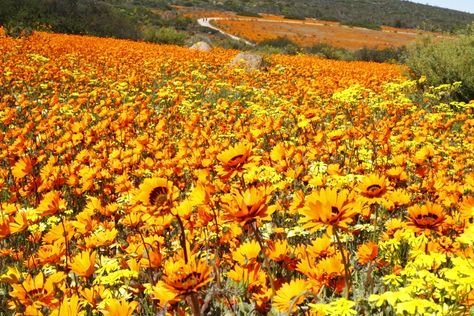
[
  {"x": 310, "y": 32},
  {"x": 139, "y": 179},
  {"x": 307, "y": 34}
]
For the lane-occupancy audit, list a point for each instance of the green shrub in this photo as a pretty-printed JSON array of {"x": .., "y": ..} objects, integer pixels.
[
  {"x": 248, "y": 13},
  {"x": 277, "y": 42},
  {"x": 165, "y": 35},
  {"x": 389, "y": 54},
  {"x": 229, "y": 43},
  {"x": 445, "y": 61},
  {"x": 279, "y": 45},
  {"x": 294, "y": 16},
  {"x": 66, "y": 16},
  {"x": 330, "y": 52},
  {"x": 365, "y": 25}
]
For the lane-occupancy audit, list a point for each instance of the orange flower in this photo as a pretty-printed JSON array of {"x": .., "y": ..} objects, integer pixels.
[
  {"x": 367, "y": 252},
  {"x": 373, "y": 186},
  {"x": 68, "y": 307},
  {"x": 233, "y": 160},
  {"x": 116, "y": 307},
  {"x": 321, "y": 248},
  {"x": 252, "y": 277},
  {"x": 19, "y": 222},
  {"x": 327, "y": 208},
  {"x": 35, "y": 292},
  {"x": 51, "y": 253},
  {"x": 157, "y": 192},
  {"x": 94, "y": 294},
  {"x": 83, "y": 263},
  {"x": 101, "y": 238},
  {"x": 329, "y": 272},
  {"x": 248, "y": 205},
  {"x": 23, "y": 167},
  {"x": 4, "y": 226},
  {"x": 50, "y": 204},
  {"x": 181, "y": 279},
  {"x": 426, "y": 217}
]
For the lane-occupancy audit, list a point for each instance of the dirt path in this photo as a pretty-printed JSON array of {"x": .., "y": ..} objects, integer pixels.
[{"x": 206, "y": 22}]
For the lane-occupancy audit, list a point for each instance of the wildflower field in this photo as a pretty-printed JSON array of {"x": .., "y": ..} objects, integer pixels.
[
  {"x": 138, "y": 179},
  {"x": 313, "y": 32}
]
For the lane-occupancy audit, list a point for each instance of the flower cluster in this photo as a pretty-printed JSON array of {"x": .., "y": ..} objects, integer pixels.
[{"x": 138, "y": 179}]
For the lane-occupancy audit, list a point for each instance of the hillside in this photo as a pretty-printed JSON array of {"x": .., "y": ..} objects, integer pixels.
[
  {"x": 140, "y": 179},
  {"x": 138, "y": 19},
  {"x": 396, "y": 13}
]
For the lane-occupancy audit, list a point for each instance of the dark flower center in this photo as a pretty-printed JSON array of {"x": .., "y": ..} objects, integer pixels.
[
  {"x": 36, "y": 293},
  {"x": 428, "y": 216},
  {"x": 158, "y": 196},
  {"x": 427, "y": 220},
  {"x": 374, "y": 187},
  {"x": 188, "y": 282},
  {"x": 235, "y": 159}
]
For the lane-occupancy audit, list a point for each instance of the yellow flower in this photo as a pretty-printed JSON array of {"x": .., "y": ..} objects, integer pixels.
[
  {"x": 373, "y": 186},
  {"x": 247, "y": 253},
  {"x": 115, "y": 307},
  {"x": 289, "y": 296},
  {"x": 339, "y": 307},
  {"x": 69, "y": 307}
]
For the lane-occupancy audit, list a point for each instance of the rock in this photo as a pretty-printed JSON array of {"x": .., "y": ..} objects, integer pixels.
[
  {"x": 247, "y": 60},
  {"x": 202, "y": 46}
]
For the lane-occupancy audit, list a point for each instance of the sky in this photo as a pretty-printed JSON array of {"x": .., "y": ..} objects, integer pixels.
[{"x": 461, "y": 5}]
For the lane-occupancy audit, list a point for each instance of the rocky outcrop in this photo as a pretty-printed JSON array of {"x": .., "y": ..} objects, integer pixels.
[
  {"x": 202, "y": 46},
  {"x": 247, "y": 60}
]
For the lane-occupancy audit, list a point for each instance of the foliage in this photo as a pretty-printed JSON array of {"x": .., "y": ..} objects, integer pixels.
[
  {"x": 165, "y": 35},
  {"x": 397, "y": 13},
  {"x": 363, "y": 24},
  {"x": 248, "y": 13},
  {"x": 141, "y": 179},
  {"x": 392, "y": 55},
  {"x": 395, "y": 54},
  {"x": 331, "y": 52},
  {"x": 445, "y": 61},
  {"x": 280, "y": 45},
  {"x": 67, "y": 16}
]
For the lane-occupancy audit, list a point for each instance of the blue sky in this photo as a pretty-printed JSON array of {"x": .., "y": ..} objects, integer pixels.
[{"x": 461, "y": 5}]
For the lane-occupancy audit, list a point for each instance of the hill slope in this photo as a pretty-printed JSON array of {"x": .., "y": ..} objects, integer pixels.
[{"x": 358, "y": 12}]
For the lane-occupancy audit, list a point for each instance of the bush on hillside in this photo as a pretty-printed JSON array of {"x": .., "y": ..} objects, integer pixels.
[
  {"x": 445, "y": 61},
  {"x": 389, "y": 54},
  {"x": 362, "y": 24},
  {"x": 248, "y": 13},
  {"x": 330, "y": 52},
  {"x": 279, "y": 45},
  {"x": 164, "y": 35},
  {"x": 67, "y": 16}
]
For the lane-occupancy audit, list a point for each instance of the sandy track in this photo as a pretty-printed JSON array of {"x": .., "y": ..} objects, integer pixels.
[{"x": 206, "y": 22}]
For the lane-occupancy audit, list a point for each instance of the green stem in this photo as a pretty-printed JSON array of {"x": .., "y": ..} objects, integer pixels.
[
  {"x": 194, "y": 305},
  {"x": 183, "y": 239},
  {"x": 347, "y": 278},
  {"x": 266, "y": 263}
]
